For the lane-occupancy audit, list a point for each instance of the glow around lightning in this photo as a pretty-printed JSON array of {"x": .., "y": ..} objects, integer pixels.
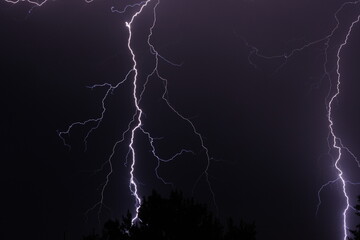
[{"x": 136, "y": 124}]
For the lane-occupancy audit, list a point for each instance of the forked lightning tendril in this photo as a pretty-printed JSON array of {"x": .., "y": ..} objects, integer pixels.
[
  {"x": 334, "y": 141},
  {"x": 136, "y": 123}
]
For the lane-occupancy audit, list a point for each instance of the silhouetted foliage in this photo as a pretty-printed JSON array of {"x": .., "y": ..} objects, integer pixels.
[
  {"x": 243, "y": 231},
  {"x": 173, "y": 218},
  {"x": 356, "y": 232}
]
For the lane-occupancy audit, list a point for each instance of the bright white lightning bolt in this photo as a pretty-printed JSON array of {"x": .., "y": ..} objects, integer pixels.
[
  {"x": 336, "y": 144},
  {"x": 133, "y": 187},
  {"x": 136, "y": 123},
  {"x": 336, "y": 141}
]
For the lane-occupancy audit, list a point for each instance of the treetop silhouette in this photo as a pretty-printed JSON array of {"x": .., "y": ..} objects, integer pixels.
[{"x": 173, "y": 218}]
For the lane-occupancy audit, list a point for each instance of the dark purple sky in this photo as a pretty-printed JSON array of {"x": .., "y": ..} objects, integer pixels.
[{"x": 265, "y": 129}]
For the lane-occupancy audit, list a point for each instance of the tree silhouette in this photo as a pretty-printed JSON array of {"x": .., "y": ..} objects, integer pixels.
[
  {"x": 356, "y": 232},
  {"x": 173, "y": 218}
]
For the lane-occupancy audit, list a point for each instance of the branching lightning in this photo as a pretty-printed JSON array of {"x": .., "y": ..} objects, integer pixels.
[
  {"x": 136, "y": 123},
  {"x": 334, "y": 141},
  {"x": 336, "y": 144},
  {"x": 155, "y": 71}
]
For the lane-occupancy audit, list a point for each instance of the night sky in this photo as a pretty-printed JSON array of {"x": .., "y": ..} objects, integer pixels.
[{"x": 264, "y": 122}]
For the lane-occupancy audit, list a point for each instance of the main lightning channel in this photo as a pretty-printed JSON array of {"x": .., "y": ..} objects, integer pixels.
[
  {"x": 132, "y": 185},
  {"x": 336, "y": 141},
  {"x": 155, "y": 71}
]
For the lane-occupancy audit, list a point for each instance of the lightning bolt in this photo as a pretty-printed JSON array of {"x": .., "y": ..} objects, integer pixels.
[
  {"x": 35, "y": 3},
  {"x": 155, "y": 71},
  {"x": 334, "y": 141},
  {"x": 133, "y": 186},
  {"x": 136, "y": 123}
]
